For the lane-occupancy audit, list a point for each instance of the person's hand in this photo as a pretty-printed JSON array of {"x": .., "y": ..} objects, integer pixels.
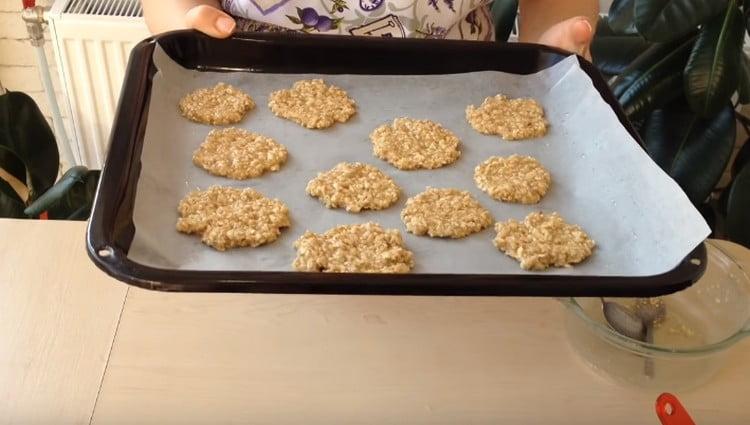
[
  {"x": 210, "y": 20},
  {"x": 573, "y": 35}
]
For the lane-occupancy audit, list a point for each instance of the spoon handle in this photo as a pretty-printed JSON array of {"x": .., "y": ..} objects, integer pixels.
[
  {"x": 671, "y": 412},
  {"x": 648, "y": 366}
]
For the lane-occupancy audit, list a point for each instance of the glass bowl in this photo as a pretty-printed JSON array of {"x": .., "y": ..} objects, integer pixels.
[{"x": 700, "y": 324}]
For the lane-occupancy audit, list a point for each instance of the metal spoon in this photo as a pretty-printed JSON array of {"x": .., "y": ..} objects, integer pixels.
[
  {"x": 623, "y": 320},
  {"x": 650, "y": 311}
]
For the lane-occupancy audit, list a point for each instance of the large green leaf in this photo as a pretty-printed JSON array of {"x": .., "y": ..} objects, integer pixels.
[
  {"x": 70, "y": 198},
  {"x": 504, "y": 17},
  {"x": 11, "y": 205},
  {"x": 613, "y": 54},
  {"x": 12, "y": 165},
  {"x": 653, "y": 59},
  {"x": 666, "y": 20},
  {"x": 639, "y": 101},
  {"x": 24, "y": 132},
  {"x": 713, "y": 69},
  {"x": 638, "y": 124},
  {"x": 743, "y": 86},
  {"x": 691, "y": 149},
  {"x": 621, "y": 17},
  {"x": 603, "y": 29},
  {"x": 653, "y": 79},
  {"x": 738, "y": 209}
]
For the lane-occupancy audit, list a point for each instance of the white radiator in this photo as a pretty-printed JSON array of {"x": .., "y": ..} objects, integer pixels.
[{"x": 92, "y": 41}]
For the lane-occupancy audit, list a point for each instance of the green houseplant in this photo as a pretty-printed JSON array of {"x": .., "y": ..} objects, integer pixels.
[
  {"x": 679, "y": 70},
  {"x": 29, "y": 157}
]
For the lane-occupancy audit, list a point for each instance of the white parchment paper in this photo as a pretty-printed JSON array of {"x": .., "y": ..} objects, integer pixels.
[{"x": 602, "y": 180}]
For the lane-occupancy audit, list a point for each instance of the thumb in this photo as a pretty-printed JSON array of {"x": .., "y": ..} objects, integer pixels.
[
  {"x": 574, "y": 35},
  {"x": 210, "y": 20},
  {"x": 580, "y": 33}
]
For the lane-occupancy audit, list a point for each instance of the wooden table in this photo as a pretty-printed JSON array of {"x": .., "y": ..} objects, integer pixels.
[{"x": 78, "y": 347}]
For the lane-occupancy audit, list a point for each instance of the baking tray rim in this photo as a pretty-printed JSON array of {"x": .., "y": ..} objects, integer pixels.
[{"x": 119, "y": 180}]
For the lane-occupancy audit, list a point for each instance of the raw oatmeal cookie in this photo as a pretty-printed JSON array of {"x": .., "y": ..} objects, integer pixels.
[
  {"x": 543, "y": 240},
  {"x": 354, "y": 186},
  {"x": 511, "y": 119},
  {"x": 312, "y": 104},
  {"x": 353, "y": 248},
  {"x": 410, "y": 144},
  {"x": 445, "y": 213},
  {"x": 239, "y": 154},
  {"x": 219, "y": 105},
  {"x": 227, "y": 217},
  {"x": 516, "y": 178}
]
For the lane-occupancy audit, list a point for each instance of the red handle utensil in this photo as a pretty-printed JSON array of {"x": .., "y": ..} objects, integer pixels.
[{"x": 671, "y": 412}]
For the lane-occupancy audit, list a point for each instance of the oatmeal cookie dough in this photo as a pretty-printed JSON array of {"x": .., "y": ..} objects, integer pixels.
[
  {"x": 445, "y": 213},
  {"x": 219, "y": 105},
  {"x": 519, "y": 179},
  {"x": 354, "y": 186},
  {"x": 353, "y": 248},
  {"x": 410, "y": 144},
  {"x": 239, "y": 154},
  {"x": 543, "y": 240},
  {"x": 312, "y": 104},
  {"x": 227, "y": 217},
  {"x": 511, "y": 119}
]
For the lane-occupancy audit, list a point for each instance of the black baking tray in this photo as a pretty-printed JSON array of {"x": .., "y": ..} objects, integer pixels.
[{"x": 111, "y": 227}]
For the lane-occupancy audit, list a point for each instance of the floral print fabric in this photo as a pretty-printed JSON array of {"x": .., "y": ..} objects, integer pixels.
[{"x": 453, "y": 19}]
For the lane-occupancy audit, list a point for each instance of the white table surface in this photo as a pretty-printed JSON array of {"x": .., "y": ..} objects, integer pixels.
[{"x": 78, "y": 347}]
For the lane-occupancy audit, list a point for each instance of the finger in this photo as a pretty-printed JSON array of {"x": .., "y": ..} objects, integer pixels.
[
  {"x": 210, "y": 20},
  {"x": 582, "y": 33},
  {"x": 586, "y": 53},
  {"x": 573, "y": 35}
]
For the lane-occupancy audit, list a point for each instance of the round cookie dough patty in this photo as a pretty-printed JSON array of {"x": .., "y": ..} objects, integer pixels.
[
  {"x": 239, "y": 154},
  {"x": 227, "y": 217},
  {"x": 312, "y": 104},
  {"x": 410, "y": 144},
  {"x": 543, "y": 240},
  {"x": 520, "y": 179},
  {"x": 219, "y": 105},
  {"x": 354, "y": 186},
  {"x": 512, "y": 119},
  {"x": 354, "y": 248},
  {"x": 445, "y": 213}
]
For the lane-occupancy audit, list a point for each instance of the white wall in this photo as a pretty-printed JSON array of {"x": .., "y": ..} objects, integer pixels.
[{"x": 18, "y": 64}]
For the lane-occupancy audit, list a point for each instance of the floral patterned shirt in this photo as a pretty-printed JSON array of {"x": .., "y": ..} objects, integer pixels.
[{"x": 454, "y": 19}]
